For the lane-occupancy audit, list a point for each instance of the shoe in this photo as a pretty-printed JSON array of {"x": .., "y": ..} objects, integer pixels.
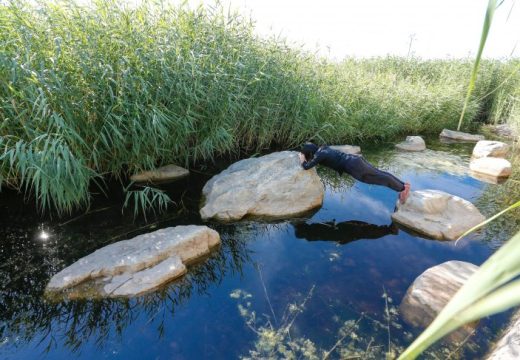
[{"x": 403, "y": 195}]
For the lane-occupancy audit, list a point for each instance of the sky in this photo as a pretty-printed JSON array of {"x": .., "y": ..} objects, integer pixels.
[{"x": 367, "y": 28}]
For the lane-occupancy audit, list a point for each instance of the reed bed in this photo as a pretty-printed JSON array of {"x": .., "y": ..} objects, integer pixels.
[{"x": 104, "y": 90}]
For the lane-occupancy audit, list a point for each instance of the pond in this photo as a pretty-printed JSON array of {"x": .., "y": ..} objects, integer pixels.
[{"x": 336, "y": 278}]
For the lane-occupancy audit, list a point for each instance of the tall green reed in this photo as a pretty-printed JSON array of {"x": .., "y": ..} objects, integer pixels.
[{"x": 102, "y": 90}]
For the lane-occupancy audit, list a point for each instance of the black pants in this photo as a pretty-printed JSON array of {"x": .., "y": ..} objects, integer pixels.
[{"x": 362, "y": 170}]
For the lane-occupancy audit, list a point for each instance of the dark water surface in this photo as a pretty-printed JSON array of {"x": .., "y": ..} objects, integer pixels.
[{"x": 349, "y": 253}]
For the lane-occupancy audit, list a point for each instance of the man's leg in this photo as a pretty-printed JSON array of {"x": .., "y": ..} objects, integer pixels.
[{"x": 365, "y": 172}]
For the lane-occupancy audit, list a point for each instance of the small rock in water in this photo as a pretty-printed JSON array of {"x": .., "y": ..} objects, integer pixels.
[
  {"x": 460, "y": 136},
  {"x": 508, "y": 345},
  {"x": 136, "y": 266},
  {"x": 491, "y": 166},
  {"x": 503, "y": 130},
  {"x": 347, "y": 149},
  {"x": 489, "y": 148},
  {"x": 274, "y": 186},
  {"x": 412, "y": 143},
  {"x": 437, "y": 214},
  {"x": 432, "y": 290},
  {"x": 162, "y": 174}
]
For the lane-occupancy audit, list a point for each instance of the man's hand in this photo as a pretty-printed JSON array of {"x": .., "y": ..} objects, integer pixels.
[{"x": 302, "y": 158}]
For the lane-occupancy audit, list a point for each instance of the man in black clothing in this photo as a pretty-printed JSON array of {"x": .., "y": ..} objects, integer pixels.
[{"x": 354, "y": 165}]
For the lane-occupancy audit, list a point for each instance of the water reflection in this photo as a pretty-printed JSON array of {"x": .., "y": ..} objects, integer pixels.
[
  {"x": 28, "y": 317},
  {"x": 343, "y": 232}
]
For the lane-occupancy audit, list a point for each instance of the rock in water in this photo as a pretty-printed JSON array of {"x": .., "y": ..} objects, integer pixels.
[
  {"x": 162, "y": 174},
  {"x": 490, "y": 166},
  {"x": 437, "y": 214},
  {"x": 508, "y": 346},
  {"x": 432, "y": 290},
  {"x": 133, "y": 267},
  {"x": 347, "y": 149},
  {"x": 273, "y": 185},
  {"x": 412, "y": 143},
  {"x": 488, "y": 148},
  {"x": 504, "y": 130},
  {"x": 460, "y": 136}
]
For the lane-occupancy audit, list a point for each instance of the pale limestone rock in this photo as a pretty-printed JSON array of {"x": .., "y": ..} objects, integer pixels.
[
  {"x": 273, "y": 185},
  {"x": 347, "y": 149},
  {"x": 490, "y": 166},
  {"x": 135, "y": 266},
  {"x": 489, "y": 148},
  {"x": 460, "y": 136},
  {"x": 437, "y": 214},
  {"x": 432, "y": 290},
  {"x": 508, "y": 346},
  {"x": 162, "y": 174},
  {"x": 412, "y": 143}
]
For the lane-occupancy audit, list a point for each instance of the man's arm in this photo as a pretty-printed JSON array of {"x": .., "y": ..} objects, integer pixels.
[{"x": 310, "y": 164}]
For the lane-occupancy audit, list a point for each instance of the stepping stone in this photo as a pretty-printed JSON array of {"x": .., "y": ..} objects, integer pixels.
[
  {"x": 347, "y": 149},
  {"x": 136, "y": 266},
  {"x": 432, "y": 290},
  {"x": 272, "y": 186},
  {"x": 412, "y": 143},
  {"x": 491, "y": 166},
  {"x": 503, "y": 130},
  {"x": 437, "y": 214},
  {"x": 508, "y": 345},
  {"x": 489, "y": 148},
  {"x": 162, "y": 174},
  {"x": 460, "y": 136}
]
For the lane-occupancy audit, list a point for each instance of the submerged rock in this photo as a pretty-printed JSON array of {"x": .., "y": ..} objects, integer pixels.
[
  {"x": 503, "y": 130},
  {"x": 273, "y": 185},
  {"x": 508, "y": 345},
  {"x": 491, "y": 166},
  {"x": 460, "y": 136},
  {"x": 347, "y": 149},
  {"x": 162, "y": 174},
  {"x": 437, "y": 214},
  {"x": 432, "y": 290},
  {"x": 489, "y": 148},
  {"x": 432, "y": 161},
  {"x": 133, "y": 267},
  {"x": 412, "y": 143}
]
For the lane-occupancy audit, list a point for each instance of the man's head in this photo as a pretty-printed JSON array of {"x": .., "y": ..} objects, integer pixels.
[{"x": 308, "y": 149}]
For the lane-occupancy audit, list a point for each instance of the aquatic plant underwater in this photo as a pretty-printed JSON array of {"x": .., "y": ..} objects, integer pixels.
[{"x": 90, "y": 93}]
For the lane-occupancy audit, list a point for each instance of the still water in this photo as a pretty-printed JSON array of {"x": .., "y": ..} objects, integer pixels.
[{"x": 336, "y": 277}]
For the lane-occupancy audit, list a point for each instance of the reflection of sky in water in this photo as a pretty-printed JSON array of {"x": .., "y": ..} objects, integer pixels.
[{"x": 349, "y": 279}]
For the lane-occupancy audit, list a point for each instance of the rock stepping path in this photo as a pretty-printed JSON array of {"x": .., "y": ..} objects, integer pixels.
[
  {"x": 162, "y": 174},
  {"x": 271, "y": 186},
  {"x": 452, "y": 135},
  {"x": 412, "y": 143},
  {"x": 136, "y": 266},
  {"x": 347, "y": 149},
  {"x": 432, "y": 290},
  {"x": 437, "y": 214},
  {"x": 490, "y": 148}
]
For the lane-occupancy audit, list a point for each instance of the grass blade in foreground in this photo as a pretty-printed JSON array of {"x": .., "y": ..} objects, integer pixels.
[
  {"x": 492, "y": 4},
  {"x": 480, "y": 296}
]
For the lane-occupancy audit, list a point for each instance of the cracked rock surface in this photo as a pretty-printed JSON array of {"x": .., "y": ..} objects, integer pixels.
[{"x": 136, "y": 266}]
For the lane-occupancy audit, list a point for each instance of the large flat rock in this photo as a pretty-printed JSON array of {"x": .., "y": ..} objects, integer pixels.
[
  {"x": 491, "y": 166},
  {"x": 162, "y": 174},
  {"x": 347, "y": 149},
  {"x": 412, "y": 143},
  {"x": 437, "y": 214},
  {"x": 432, "y": 290},
  {"x": 460, "y": 136},
  {"x": 274, "y": 186},
  {"x": 490, "y": 148},
  {"x": 133, "y": 267},
  {"x": 508, "y": 345}
]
